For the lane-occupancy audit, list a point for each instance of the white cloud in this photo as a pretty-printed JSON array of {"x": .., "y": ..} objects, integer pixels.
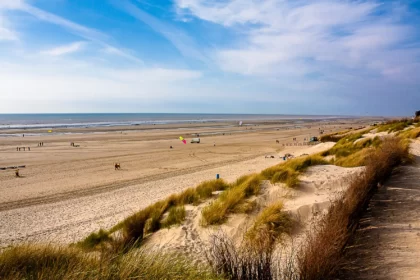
[
  {"x": 66, "y": 49},
  {"x": 184, "y": 43},
  {"x": 295, "y": 38},
  {"x": 6, "y": 33},
  {"x": 48, "y": 79},
  {"x": 11, "y": 4},
  {"x": 75, "y": 28}
]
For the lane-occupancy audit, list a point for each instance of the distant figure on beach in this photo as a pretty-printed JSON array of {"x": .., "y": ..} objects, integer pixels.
[
  {"x": 29, "y": 149},
  {"x": 17, "y": 148},
  {"x": 117, "y": 166},
  {"x": 17, "y": 173},
  {"x": 277, "y": 141},
  {"x": 23, "y": 135},
  {"x": 170, "y": 147}
]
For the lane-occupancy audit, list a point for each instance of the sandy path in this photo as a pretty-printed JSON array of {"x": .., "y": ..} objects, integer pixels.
[{"x": 387, "y": 244}]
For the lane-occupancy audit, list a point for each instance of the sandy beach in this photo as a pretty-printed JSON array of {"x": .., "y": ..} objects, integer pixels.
[{"x": 67, "y": 192}]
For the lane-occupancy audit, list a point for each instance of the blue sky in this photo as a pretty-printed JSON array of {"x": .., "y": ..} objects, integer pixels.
[{"x": 222, "y": 56}]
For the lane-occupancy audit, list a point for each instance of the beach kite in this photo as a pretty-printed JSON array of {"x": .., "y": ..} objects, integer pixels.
[{"x": 182, "y": 139}]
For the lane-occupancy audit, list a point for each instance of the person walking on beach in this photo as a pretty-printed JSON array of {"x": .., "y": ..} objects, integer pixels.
[{"x": 17, "y": 173}]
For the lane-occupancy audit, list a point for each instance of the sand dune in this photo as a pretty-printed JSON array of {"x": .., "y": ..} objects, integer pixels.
[{"x": 67, "y": 192}]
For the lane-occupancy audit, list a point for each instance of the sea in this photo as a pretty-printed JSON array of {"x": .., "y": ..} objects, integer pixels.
[{"x": 42, "y": 121}]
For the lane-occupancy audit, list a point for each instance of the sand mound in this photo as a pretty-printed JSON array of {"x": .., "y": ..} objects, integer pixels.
[
  {"x": 320, "y": 184},
  {"x": 373, "y": 135}
]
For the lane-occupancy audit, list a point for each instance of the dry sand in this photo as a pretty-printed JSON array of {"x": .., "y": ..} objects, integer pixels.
[
  {"x": 67, "y": 192},
  {"x": 319, "y": 186}
]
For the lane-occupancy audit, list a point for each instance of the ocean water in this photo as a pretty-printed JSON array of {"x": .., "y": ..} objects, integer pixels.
[{"x": 33, "y": 121}]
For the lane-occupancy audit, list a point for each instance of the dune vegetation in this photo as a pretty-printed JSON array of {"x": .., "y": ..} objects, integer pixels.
[
  {"x": 117, "y": 254},
  {"x": 63, "y": 262}
]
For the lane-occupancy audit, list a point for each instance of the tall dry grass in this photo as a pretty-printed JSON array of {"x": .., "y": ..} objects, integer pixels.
[
  {"x": 233, "y": 200},
  {"x": 395, "y": 125},
  {"x": 151, "y": 219},
  {"x": 271, "y": 223},
  {"x": 320, "y": 256},
  {"x": 241, "y": 262},
  {"x": 55, "y": 262},
  {"x": 289, "y": 171},
  {"x": 410, "y": 133}
]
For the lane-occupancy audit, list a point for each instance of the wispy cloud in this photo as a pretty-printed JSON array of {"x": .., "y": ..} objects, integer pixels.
[
  {"x": 6, "y": 33},
  {"x": 181, "y": 40},
  {"x": 294, "y": 39},
  {"x": 66, "y": 49},
  {"x": 75, "y": 28}
]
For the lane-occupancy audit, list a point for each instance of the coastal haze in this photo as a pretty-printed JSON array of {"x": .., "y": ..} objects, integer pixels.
[{"x": 66, "y": 192}]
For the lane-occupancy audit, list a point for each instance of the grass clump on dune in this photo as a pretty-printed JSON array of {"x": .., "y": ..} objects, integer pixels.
[
  {"x": 272, "y": 222},
  {"x": 94, "y": 239},
  {"x": 55, "y": 262},
  {"x": 395, "y": 125},
  {"x": 232, "y": 200},
  {"x": 349, "y": 153},
  {"x": 176, "y": 216},
  {"x": 411, "y": 133},
  {"x": 334, "y": 137},
  {"x": 150, "y": 219},
  {"x": 289, "y": 171}
]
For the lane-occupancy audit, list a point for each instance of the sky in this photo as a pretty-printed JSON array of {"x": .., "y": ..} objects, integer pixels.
[{"x": 210, "y": 56}]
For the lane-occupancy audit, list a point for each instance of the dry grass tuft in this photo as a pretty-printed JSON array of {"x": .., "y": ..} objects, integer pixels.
[
  {"x": 241, "y": 262},
  {"x": 271, "y": 223},
  {"x": 289, "y": 171},
  {"x": 231, "y": 200},
  {"x": 350, "y": 154},
  {"x": 94, "y": 239},
  {"x": 176, "y": 216},
  {"x": 334, "y": 137},
  {"x": 410, "y": 133},
  {"x": 395, "y": 125},
  {"x": 150, "y": 219},
  {"x": 54, "y": 262}
]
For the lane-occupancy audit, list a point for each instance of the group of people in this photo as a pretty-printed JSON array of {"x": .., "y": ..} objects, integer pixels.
[
  {"x": 24, "y": 148},
  {"x": 40, "y": 144}
]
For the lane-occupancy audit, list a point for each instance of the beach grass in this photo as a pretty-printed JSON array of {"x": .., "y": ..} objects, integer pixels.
[
  {"x": 271, "y": 223},
  {"x": 150, "y": 219},
  {"x": 232, "y": 200},
  {"x": 58, "y": 262},
  {"x": 395, "y": 125},
  {"x": 289, "y": 171},
  {"x": 412, "y": 133}
]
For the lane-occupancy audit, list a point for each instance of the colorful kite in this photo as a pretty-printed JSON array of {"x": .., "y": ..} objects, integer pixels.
[{"x": 182, "y": 139}]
